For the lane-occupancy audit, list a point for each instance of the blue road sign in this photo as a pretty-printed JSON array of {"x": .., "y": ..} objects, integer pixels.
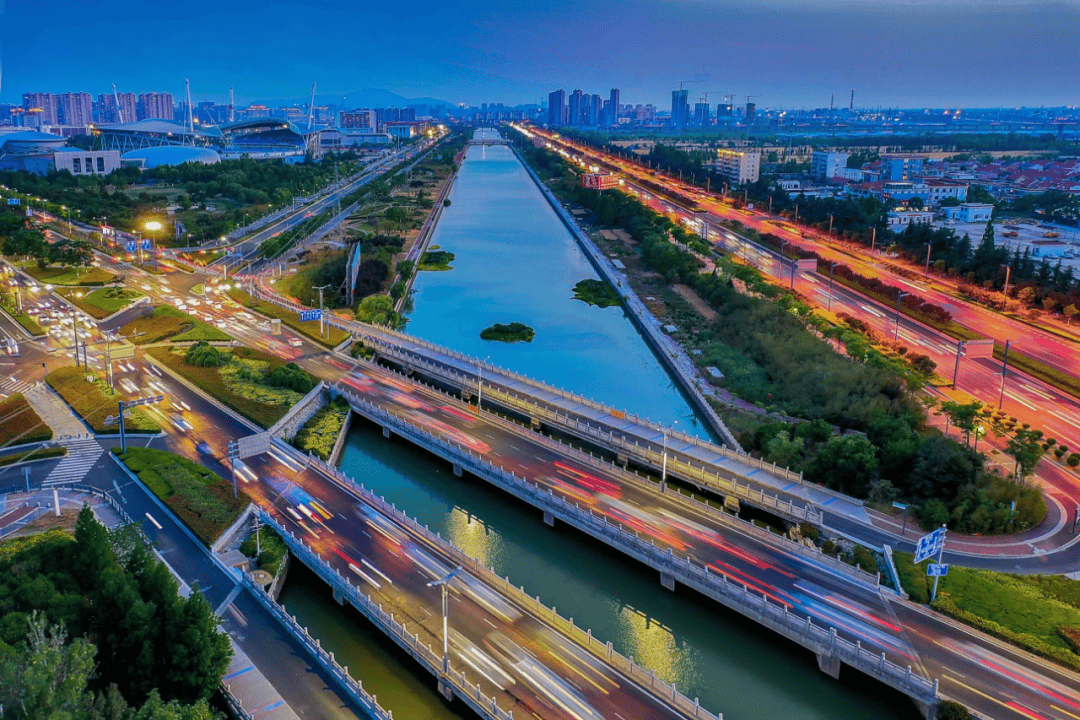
[
  {"x": 306, "y": 315},
  {"x": 131, "y": 246},
  {"x": 930, "y": 545},
  {"x": 935, "y": 570},
  {"x": 13, "y": 201},
  {"x": 147, "y": 245}
]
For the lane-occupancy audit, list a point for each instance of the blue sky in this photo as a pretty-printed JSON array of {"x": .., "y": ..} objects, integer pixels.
[{"x": 790, "y": 53}]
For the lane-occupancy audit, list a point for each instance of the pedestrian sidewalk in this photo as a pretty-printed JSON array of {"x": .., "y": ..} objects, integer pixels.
[
  {"x": 55, "y": 412},
  {"x": 248, "y": 688}
]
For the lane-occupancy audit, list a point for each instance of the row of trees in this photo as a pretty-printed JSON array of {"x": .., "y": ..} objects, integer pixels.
[
  {"x": 18, "y": 238},
  {"x": 96, "y": 623}
]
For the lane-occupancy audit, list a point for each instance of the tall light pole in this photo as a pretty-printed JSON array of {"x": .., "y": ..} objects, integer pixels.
[
  {"x": 831, "y": 269},
  {"x": 1004, "y": 369},
  {"x": 899, "y": 297},
  {"x": 663, "y": 464},
  {"x": 830, "y": 224},
  {"x": 445, "y": 616},
  {"x": 926, "y": 270},
  {"x": 322, "y": 320},
  {"x": 1005, "y": 292},
  {"x": 480, "y": 383},
  {"x": 956, "y": 368}
]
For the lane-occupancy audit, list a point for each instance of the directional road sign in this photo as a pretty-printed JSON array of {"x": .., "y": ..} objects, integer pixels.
[
  {"x": 310, "y": 315},
  {"x": 131, "y": 246},
  {"x": 935, "y": 570},
  {"x": 147, "y": 245},
  {"x": 13, "y": 201},
  {"x": 930, "y": 545},
  {"x": 253, "y": 445}
]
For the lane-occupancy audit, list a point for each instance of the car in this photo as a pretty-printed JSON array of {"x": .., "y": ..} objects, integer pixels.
[{"x": 204, "y": 448}]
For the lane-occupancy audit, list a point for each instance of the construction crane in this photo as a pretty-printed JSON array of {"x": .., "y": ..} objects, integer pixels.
[{"x": 119, "y": 110}]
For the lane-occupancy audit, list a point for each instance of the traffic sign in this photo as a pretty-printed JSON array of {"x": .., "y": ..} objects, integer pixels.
[
  {"x": 147, "y": 245},
  {"x": 306, "y": 315},
  {"x": 131, "y": 246},
  {"x": 899, "y": 506},
  {"x": 930, "y": 545},
  {"x": 13, "y": 201},
  {"x": 935, "y": 570}
]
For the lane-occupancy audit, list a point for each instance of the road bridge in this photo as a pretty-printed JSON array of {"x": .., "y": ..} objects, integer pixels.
[
  {"x": 507, "y": 654},
  {"x": 489, "y": 141}
]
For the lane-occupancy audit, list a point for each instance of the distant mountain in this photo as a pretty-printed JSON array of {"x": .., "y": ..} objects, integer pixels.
[{"x": 367, "y": 98}]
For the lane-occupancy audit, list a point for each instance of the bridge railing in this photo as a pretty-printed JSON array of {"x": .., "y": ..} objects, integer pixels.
[
  {"x": 686, "y": 569},
  {"x": 549, "y": 615}
]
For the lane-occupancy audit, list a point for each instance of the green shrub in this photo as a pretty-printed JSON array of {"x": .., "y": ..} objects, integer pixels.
[
  {"x": 291, "y": 376},
  {"x": 809, "y": 531},
  {"x": 203, "y": 354},
  {"x": 949, "y": 710},
  {"x": 1071, "y": 636}
]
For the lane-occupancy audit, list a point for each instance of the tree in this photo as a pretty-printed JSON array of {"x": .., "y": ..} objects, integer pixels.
[
  {"x": 915, "y": 203},
  {"x": 846, "y": 463},
  {"x": 941, "y": 468},
  {"x": 48, "y": 678},
  {"x": 1070, "y": 312},
  {"x": 1026, "y": 447},
  {"x": 1026, "y": 295},
  {"x": 963, "y": 416}
]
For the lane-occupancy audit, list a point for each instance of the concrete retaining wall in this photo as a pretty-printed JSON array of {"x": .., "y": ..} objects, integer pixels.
[{"x": 300, "y": 413}]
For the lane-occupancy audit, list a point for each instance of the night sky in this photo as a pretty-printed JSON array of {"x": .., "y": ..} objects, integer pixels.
[{"x": 789, "y": 53}]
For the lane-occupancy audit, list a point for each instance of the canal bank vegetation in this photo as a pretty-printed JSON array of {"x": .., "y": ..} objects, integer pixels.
[
  {"x": 93, "y": 627},
  {"x": 812, "y": 396},
  {"x": 319, "y": 434},
  {"x": 243, "y": 379},
  {"x": 91, "y": 398},
  {"x": 200, "y": 498},
  {"x": 1039, "y": 613},
  {"x": 596, "y": 292},
  {"x": 272, "y": 546},
  {"x": 509, "y": 333}
]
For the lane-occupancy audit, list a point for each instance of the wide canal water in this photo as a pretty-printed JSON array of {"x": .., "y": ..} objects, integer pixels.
[{"x": 516, "y": 262}]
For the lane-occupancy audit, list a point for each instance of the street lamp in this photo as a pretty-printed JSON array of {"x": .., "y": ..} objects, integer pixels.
[
  {"x": 899, "y": 296},
  {"x": 960, "y": 345},
  {"x": 1004, "y": 369},
  {"x": 445, "y": 616},
  {"x": 480, "y": 383},
  {"x": 830, "y": 224},
  {"x": 831, "y": 268},
  {"x": 663, "y": 465}
]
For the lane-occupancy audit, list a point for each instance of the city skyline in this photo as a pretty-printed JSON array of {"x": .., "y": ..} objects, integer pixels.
[{"x": 788, "y": 56}]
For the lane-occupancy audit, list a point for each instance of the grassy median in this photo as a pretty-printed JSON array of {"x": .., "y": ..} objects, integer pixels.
[
  {"x": 1035, "y": 612},
  {"x": 93, "y": 401},
  {"x": 309, "y": 328},
  {"x": 200, "y": 498},
  {"x": 169, "y": 323},
  {"x": 239, "y": 382},
  {"x": 99, "y": 303},
  {"x": 70, "y": 275},
  {"x": 29, "y": 324},
  {"x": 19, "y": 424}
]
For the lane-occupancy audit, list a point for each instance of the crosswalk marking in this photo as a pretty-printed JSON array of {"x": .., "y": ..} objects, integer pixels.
[
  {"x": 9, "y": 386},
  {"x": 83, "y": 453}
]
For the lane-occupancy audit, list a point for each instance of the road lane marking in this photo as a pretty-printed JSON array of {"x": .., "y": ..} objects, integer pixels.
[{"x": 155, "y": 522}]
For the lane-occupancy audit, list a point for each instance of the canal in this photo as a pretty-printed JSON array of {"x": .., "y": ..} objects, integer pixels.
[{"x": 516, "y": 262}]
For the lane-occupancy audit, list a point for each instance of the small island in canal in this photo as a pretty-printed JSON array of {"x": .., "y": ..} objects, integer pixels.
[
  {"x": 513, "y": 332},
  {"x": 436, "y": 260},
  {"x": 596, "y": 292}
]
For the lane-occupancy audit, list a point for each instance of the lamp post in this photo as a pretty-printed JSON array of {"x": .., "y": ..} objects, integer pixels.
[
  {"x": 899, "y": 297},
  {"x": 153, "y": 226},
  {"x": 663, "y": 464},
  {"x": 480, "y": 383},
  {"x": 1004, "y": 369},
  {"x": 322, "y": 320},
  {"x": 956, "y": 369},
  {"x": 830, "y": 224},
  {"x": 1005, "y": 292},
  {"x": 442, "y": 583},
  {"x": 831, "y": 268}
]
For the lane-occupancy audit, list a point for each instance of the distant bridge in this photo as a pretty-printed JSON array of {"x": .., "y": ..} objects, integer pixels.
[{"x": 490, "y": 141}]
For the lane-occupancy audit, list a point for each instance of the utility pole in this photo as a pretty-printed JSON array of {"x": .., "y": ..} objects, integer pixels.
[
  {"x": 926, "y": 270},
  {"x": 831, "y": 269},
  {"x": 899, "y": 297},
  {"x": 1005, "y": 292},
  {"x": 873, "y": 239},
  {"x": 956, "y": 368}
]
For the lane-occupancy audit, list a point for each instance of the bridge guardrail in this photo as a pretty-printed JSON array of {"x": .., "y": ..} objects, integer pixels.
[
  {"x": 685, "y": 569},
  {"x": 354, "y": 688}
]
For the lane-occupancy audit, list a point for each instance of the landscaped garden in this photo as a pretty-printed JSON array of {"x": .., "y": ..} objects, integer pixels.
[
  {"x": 102, "y": 302},
  {"x": 199, "y": 497},
  {"x": 169, "y": 323},
  {"x": 19, "y": 424},
  {"x": 320, "y": 433},
  {"x": 94, "y": 401}
]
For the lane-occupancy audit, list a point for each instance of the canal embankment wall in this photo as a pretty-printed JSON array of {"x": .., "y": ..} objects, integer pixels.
[{"x": 671, "y": 354}]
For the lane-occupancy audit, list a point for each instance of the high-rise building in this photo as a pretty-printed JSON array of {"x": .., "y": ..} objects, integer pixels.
[
  {"x": 44, "y": 106},
  {"x": 680, "y": 108},
  {"x": 155, "y": 105},
  {"x": 596, "y": 109},
  {"x": 107, "y": 109},
  {"x": 361, "y": 120},
  {"x": 574, "y": 104},
  {"x": 738, "y": 166},
  {"x": 612, "y": 118},
  {"x": 556, "y": 107},
  {"x": 826, "y": 165},
  {"x": 75, "y": 109},
  {"x": 701, "y": 114},
  {"x": 751, "y": 110},
  {"x": 723, "y": 114}
]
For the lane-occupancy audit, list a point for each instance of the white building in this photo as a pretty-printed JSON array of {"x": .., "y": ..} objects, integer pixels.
[
  {"x": 969, "y": 212},
  {"x": 738, "y": 166},
  {"x": 824, "y": 165},
  {"x": 899, "y": 219},
  {"x": 1048, "y": 248},
  {"x": 87, "y": 162}
]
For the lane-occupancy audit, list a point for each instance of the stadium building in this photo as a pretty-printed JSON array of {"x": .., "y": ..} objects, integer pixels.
[
  {"x": 154, "y": 133},
  {"x": 270, "y": 139}
]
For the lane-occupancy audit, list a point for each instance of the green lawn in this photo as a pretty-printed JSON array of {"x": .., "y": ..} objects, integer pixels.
[
  {"x": 100, "y": 303},
  {"x": 310, "y": 328},
  {"x": 70, "y": 275},
  {"x": 40, "y": 453},
  {"x": 19, "y": 423},
  {"x": 168, "y": 322},
  {"x": 200, "y": 498},
  {"x": 320, "y": 433},
  {"x": 94, "y": 401},
  {"x": 259, "y": 403},
  {"x": 1030, "y": 611}
]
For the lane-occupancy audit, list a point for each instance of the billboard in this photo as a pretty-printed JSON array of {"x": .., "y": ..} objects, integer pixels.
[{"x": 599, "y": 181}]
